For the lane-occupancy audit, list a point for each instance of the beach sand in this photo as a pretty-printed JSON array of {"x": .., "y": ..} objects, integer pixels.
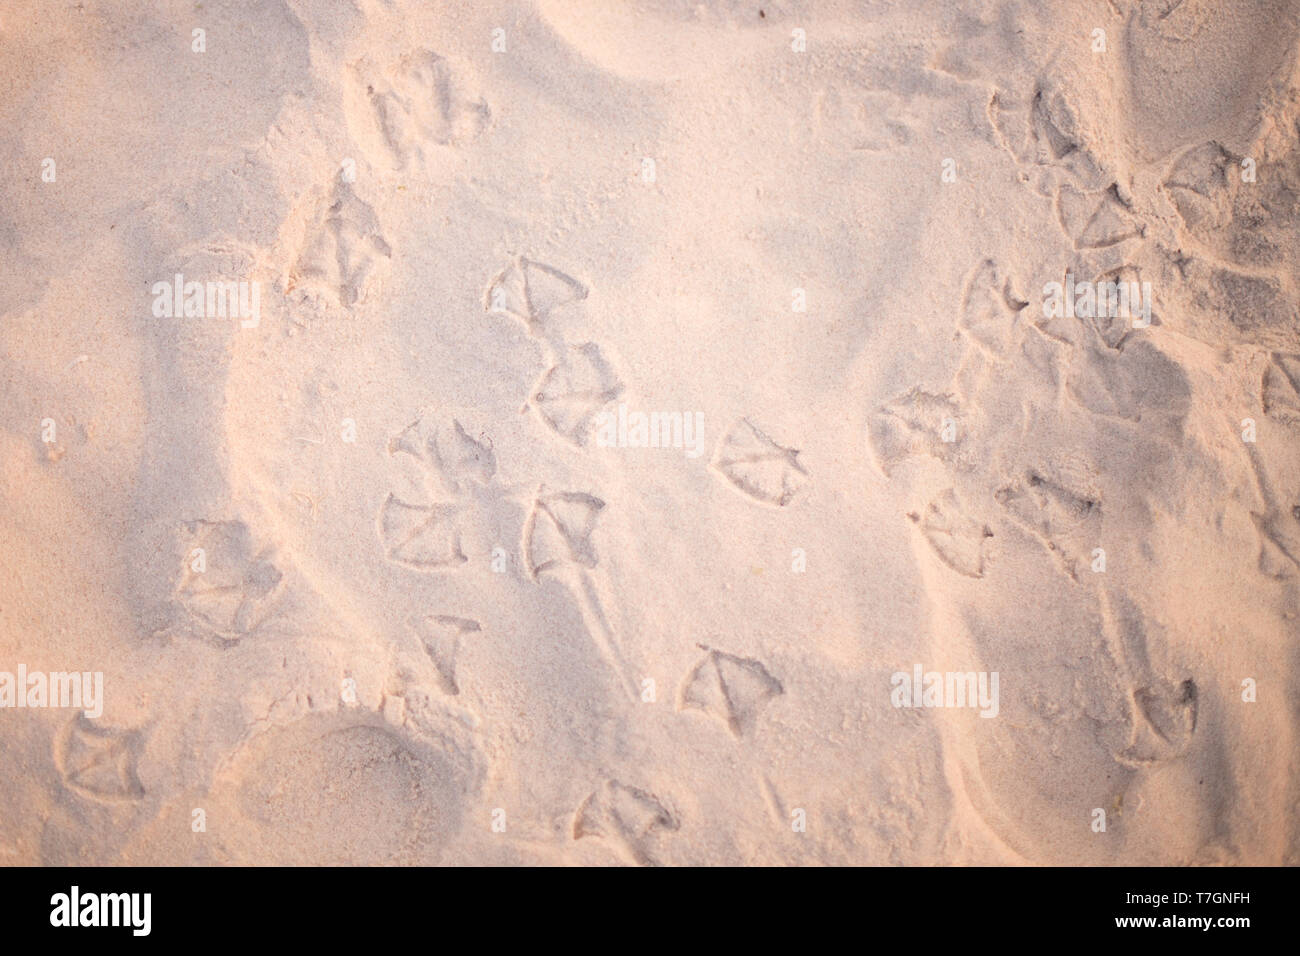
[{"x": 369, "y": 545}]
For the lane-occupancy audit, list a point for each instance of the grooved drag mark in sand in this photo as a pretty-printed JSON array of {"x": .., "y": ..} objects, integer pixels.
[
  {"x": 98, "y": 763},
  {"x": 557, "y": 536},
  {"x": 341, "y": 254},
  {"x": 1187, "y": 11},
  {"x": 441, "y": 635},
  {"x": 758, "y": 466},
  {"x": 1095, "y": 220},
  {"x": 730, "y": 688},
  {"x": 956, "y": 538},
  {"x": 529, "y": 291},
  {"x": 421, "y": 101},
  {"x": 1052, "y": 514},
  {"x": 1000, "y": 111},
  {"x": 574, "y": 390},
  {"x": 773, "y": 801},
  {"x": 989, "y": 309},
  {"x": 421, "y": 537},
  {"x": 1280, "y": 388},
  {"x": 226, "y": 582},
  {"x": 1050, "y": 133},
  {"x": 314, "y": 412},
  {"x": 626, "y": 816},
  {"x": 913, "y": 424}
]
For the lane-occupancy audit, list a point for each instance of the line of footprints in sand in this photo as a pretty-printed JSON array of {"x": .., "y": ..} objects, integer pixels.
[
  {"x": 1239, "y": 266},
  {"x": 1235, "y": 263},
  {"x": 730, "y": 688},
  {"x": 1054, "y": 506},
  {"x": 236, "y": 588},
  {"x": 558, "y": 530},
  {"x": 231, "y": 587},
  {"x": 100, "y": 764},
  {"x": 576, "y": 385},
  {"x": 420, "y": 102}
]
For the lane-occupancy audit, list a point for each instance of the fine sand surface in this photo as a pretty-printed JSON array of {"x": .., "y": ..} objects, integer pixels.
[{"x": 365, "y": 579}]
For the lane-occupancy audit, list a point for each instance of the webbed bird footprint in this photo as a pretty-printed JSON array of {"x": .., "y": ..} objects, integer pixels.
[
  {"x": 1060, "y": 139},
  {"x": 420, "y": 101},
  {"x": 1045, "y": 134},
  {"x": 342, "y": 254},
  {"x": 626, "y": 816},
  {"x": 459, "y": 457},
  {"x": 914, "y": 424},
  {"x": 441, "y": 635},
  {"x": 1105, "y": 311},
  {"x": 227, "y": 582},
  {"x": 572, "y": 392},
  {"x": 956, "y": 537},
  {"x": 447, "y": 451},
  {"x": 1095, "y": 220},
  {"x": 1249, "y": 222},
  {"x": 1165, "y": 721},
  {"x": 421, "y": 537},
  {"x": 98, "y": 763},
  {"x": 558, "y": 531},
  {"x": 1198, "y": 185},
  {"x": 529, "y": 291},
  {"x": 1279, "y": 542},
  {"x": 1280, "y": 388},
  {"x": 732, "y": 689},
  {"x": 758, "y": 466},
  {"x": 1053, "y": 514},
  {"x": 990, "y": 309}
]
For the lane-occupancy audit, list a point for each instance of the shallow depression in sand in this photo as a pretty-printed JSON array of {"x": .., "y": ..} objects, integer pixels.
[{"x": 324, "y": 791}]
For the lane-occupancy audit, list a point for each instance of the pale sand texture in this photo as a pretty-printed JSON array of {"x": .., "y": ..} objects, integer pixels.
[{"x": 499, "y": 272}]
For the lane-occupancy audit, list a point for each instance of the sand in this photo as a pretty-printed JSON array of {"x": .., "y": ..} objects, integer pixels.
[{"x": 648, "y": 432}]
